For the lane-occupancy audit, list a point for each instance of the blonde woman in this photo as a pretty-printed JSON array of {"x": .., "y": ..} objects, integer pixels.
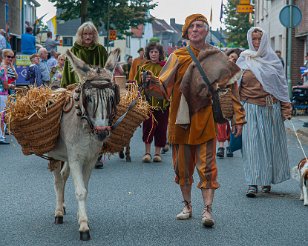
[
  {"x": 88, "y": 49},
  {"x": 7, "y": 56},
  {"x": 8, "y": 65},
  {"x": 56, "y": 72}
]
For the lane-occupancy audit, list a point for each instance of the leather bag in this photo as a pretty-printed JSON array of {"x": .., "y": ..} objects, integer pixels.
[{"x": 221, "y": 114}]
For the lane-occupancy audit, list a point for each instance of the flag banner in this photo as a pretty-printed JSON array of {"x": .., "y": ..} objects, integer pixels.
[{"x": 52, "y": 25}]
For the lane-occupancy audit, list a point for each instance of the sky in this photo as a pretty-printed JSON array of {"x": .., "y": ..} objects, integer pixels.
[{"x": 166, "y": 9}]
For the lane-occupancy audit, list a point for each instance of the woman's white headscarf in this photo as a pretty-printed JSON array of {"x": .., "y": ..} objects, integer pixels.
[{"x": 266, "y": 66}]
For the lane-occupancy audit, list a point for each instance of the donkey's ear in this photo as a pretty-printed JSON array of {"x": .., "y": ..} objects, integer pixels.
[
  {"x": 113, "y": 59},
  {"x": 79, "y": 66}
]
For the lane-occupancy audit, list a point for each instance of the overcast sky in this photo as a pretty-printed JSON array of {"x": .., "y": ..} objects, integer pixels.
[{"x": 166, "y": 9}]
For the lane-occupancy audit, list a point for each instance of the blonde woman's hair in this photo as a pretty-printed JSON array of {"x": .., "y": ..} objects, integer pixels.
[
  {"x": 87, "y": 26},
  {"x": 62, "y": 56},
  {"x": 5, "y": 52}
]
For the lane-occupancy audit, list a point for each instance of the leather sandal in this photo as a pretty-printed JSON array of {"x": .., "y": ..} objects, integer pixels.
[
  {"x": 206, "y": 220},
  {"x": 252, "y": 191},
  {"x": 220, "y": 152},
  {"x": 266, "y": 189},
  {"x": 157, "y": 158},
  {"x": 186, "y": 212},
  {"x": 147, "y": 158}
]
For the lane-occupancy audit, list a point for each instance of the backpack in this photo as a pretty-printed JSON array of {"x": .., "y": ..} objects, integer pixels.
[{"x": 31, "y": 74}]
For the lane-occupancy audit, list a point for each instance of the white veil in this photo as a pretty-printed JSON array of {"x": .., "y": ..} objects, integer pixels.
[{"x": 266, "y": 66}]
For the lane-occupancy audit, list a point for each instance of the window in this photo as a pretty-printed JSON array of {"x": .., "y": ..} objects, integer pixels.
[
  {"x": 67, "y": 41},
  {"x": 257, "y": 9},
  {"x": 273, "y": 43},
  {"x": 280, "y": 42}
]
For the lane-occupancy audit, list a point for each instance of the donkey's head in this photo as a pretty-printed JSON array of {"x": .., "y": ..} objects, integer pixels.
[{"x": 97, "y": 93}]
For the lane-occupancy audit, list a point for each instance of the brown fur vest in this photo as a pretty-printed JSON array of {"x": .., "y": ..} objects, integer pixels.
[{"x": 218, "y": 70}]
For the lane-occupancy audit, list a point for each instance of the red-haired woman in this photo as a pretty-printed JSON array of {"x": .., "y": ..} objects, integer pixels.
[{"x": 156, "y": 126}]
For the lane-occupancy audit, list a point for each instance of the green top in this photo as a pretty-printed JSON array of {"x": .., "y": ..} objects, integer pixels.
[
  {"x": 94, "y": 55},
  {"x": 155, "y": 68}
]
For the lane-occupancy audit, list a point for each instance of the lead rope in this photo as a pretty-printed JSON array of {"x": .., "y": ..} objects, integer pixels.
[{"x": 300, "y": 144}]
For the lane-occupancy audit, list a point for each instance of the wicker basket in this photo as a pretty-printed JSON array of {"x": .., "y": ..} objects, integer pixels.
[
  {"x": 226, "y": 103},
  {"x": 121, "y": 81},
  {"x": 121, "y": 136},
  {"x": 39, "y": 135}
]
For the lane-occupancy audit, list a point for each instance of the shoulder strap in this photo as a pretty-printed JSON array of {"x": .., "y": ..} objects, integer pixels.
[{"x": 205, "y": 78}]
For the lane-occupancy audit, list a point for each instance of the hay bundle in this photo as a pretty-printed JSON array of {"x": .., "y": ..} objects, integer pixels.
[
  {"x": 121, "y": 136},
  {"x": 34, "y": 119}
]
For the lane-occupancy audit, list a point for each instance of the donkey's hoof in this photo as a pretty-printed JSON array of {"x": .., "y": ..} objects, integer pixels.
[
  {"x": 128, "y": 159},
  {"x": 85, "y": 235},
  {"x": 59, "y": 220}
]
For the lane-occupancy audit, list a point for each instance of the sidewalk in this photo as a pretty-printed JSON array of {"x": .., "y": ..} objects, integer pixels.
[{"x": 298, "y": 122}]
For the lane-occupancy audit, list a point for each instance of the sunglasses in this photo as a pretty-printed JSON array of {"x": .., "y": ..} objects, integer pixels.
[{"x": 10, "y": 57}]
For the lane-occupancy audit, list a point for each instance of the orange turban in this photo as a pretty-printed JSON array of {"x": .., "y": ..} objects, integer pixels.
[{"x": 190, "y": 19}]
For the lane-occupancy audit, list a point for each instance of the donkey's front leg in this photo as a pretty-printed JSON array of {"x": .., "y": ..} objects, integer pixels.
[
  {"x": 59, "y": 187},
  {"x": 81, "y": 196}
]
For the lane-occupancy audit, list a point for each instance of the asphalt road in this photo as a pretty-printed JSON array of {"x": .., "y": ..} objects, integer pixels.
[{"x": 136, "y": 204}]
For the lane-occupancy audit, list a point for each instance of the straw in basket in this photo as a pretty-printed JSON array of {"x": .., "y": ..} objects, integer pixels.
[
  {"x": 38, "y": 133},
  {"x": 121, "y": 136}
]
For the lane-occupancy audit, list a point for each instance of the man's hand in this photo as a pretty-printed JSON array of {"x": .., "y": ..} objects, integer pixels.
[{"x": 237, "y": 130}]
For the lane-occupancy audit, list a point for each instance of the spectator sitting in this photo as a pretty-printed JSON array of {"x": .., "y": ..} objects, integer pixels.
[
  {"x": 28, "y": 42},
  {"x": 43, "y": 54},
  {"x": 34, "y": 75},
  {"x": 56, "y": 73},
  {"x": 2, "y": 39},
  {"x": 53, "y": 60},
  {"x": 51, "y": 45}
]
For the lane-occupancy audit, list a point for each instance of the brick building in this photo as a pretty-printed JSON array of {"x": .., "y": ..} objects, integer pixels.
[
  {"x": 300, "y": 40},
  {"x": 267, "y": 17}
]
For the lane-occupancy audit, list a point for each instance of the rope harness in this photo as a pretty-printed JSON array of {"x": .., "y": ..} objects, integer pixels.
[{"x": 112, "y": 102}]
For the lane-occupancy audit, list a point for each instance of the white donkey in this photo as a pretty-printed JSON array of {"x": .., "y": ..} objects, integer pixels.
[{"x": 83, "y": 131}]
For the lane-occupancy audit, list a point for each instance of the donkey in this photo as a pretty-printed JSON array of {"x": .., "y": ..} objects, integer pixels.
[{"x": 83, "y": 131}]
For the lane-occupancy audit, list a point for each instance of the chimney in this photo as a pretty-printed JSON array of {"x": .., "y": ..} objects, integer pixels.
[{"x": 172, "y": 22}]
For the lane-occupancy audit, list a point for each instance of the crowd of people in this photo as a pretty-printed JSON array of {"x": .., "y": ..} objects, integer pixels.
[
  {"x": 260, "y": 101},
  {"x": 45, "y": 70}
]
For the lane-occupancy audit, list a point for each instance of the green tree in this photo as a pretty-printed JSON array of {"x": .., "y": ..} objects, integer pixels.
[
  {"x": 237, "y": 25},
  {"x": 113, "y": 14}
]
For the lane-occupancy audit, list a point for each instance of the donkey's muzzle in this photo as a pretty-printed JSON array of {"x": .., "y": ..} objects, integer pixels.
[{"x": 102, "y": 132}]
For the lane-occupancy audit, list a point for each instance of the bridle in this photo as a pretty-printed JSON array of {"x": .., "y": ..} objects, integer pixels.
[{"x": 112, "y": 101}]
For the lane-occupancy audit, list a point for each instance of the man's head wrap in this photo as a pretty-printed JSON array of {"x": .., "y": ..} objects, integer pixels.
[{"x": 190, "y": 19}]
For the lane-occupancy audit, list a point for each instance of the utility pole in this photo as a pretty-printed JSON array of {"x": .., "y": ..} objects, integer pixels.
[
  {"x": 84, "y": 11},
  {"x": 289, "y": 60},
  {"x": 22, "y": 31},
  {"x": 108, "y": 25}
]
